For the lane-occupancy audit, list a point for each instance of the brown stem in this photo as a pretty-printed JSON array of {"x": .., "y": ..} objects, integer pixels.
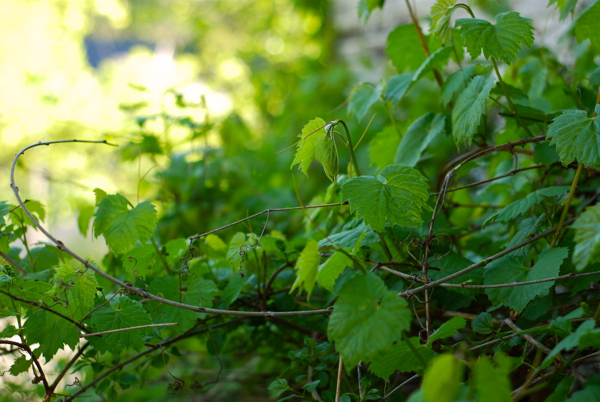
[
  {"x": 27, "y": 349},
  {"x": 64, "y": 371}
]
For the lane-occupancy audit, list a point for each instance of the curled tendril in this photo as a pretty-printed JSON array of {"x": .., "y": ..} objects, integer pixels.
[
  {"x": 245, "y": 249},
  {"x": 76, "y": 382},
  {"x": 160, "y": 304},
  {"x": 136, "y": 273}
]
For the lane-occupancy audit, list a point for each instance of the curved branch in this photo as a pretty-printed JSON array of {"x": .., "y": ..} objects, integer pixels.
[
  {"x": 139, "y": 292},
  {"x": 26, "y": 348}
]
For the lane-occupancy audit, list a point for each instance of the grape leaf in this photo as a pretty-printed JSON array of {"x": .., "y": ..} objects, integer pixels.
[
  {"x": 569, "y": 342},
  {"x": 404, "y": 48},
  {"x": 123, "y": 227},
  {"x": 326, "y": 154},
  {"x": 420, "y": 133},
  {"x": 502, "y": 41},
  {"x": 511, "y": 270},
  {"x": 81, "y": 289},
  {"x": 400, "y": 357},
  {"x": 307, "y": 266},
  {"x": 586, "y": 26},
  {"x": 456, "y": 83},
  {"x": 447, "y": 329},
  {"x": 307, "y": 146},
  {"x": 485, "y": 373},
  {"x": 362, "y": 97},
  {"x": 100, "y": 195},
  {"x": 4, "y": 210},
  {"x": 399, "y": 199},
  {"x": 453, "y": 263},
  {"x": 383, "y": 147},
  {"x": 139, "y": 259},
  {"x": 523, "y": 205},
  {"x": 51, "y": 332},
  {"x": 483, "y": 324},
  {"x": 83, "y": 220},
  {"x": 566, "y": 7},
  {"x": 441, "y": 12},
  {"x": 367, "y": 318},
  {"x": 348, "y": 238},
  {"x": 470, "y": 105},
  {"x": 587, "y": 237},
  {"x": 130, "y": 313},
  {"x": 443, "y": 379},
  {"x": 576, "y": 137},
  {"x": 233, "y": 289},
  {"x": 331, "y": 269},
  {"x": 18, "y": 216},
  {"x": 233, "y": 252},
  {"x": 21, "y": 365}
]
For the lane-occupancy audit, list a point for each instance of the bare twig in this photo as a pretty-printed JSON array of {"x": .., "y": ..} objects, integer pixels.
[
  {"x": 112, "y": 331},
  {"x": 338, "y": 386},
  {"x": 12, "y": 263},
  {"x": 527, "y": 337},
  {"x": 63, "y": 372}
]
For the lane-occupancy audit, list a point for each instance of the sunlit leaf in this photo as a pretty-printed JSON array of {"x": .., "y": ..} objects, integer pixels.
[
  {"x": 441, "y": 12},
  {"x": 80, "y": 289},
  {"x": 398, "y": 197},
  {"x": 486, "y": 373},
  {"x": 404, "y": 48},
  {"x": 442, "y": 379},
  {"x": 306, "y": 267},
  {"x": 586, "y": 26},
  {"x": 331, "y": 269},
  {"x": 502, "y": 41},
  {"x": 326, "y": 154},
  {"x": 307, "y": 146}
]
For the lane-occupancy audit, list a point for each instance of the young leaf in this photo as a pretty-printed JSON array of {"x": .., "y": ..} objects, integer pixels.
[
  {"x": 399, "y": 199},
  {"x": 586, "y": 26},
  {"x": 326, "y": 154},
  {"x": 123, "y": 227},
  {"x": 576, "y": 137},
  {"x": 233, "y": 289},
  {"x": 348, "y": 238},
  {"x": 331, "y": 269},
  {"x": 587, "y": 237},
  {"x": 485, "y": 374},
  {"x": 512, "y": 270},
  {"x": 420, "y": 133},
  {"x": 233, "y": 252},
  {"x": 367, "y": 318},
  {"x": 51, "y": 332},
  {"x": 400, "y": 357},
  {"x": 483, "y": 324},
  {"x": 307, "y": 266},
  {"x": 442, "y": 379},
  {"x": 456, "y": 83},
  {"x": 501, "y": 41},
  {"x": 21, "y": 365},
  {"x": 81, "y": 289},
  {"x": 307, "y": 146},
  {"x": 468, "y": 109},
  {"x": 447, "y": 329},
  {"x": 441, "y": 12},
  {"x": 362, "y": 98},
  {"x": 523, "y": 205},
  {"x": 130, "y": 313}
]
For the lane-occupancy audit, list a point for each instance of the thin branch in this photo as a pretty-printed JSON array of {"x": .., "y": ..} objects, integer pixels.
[
  {"x": 12, "y": 263},
  {"x": 63, "y": 372},
  {"x": 169, "y": 324},
  {"x": 338, "y": 386},
  {"x": 513, "y": 284},
  {"x": 144, "y": 353},
  {"x": 142, "y": 293},
  {"x": 527, "y": 337},
  {"x": 412, "y": 292},
  {"x": 27, "y": 349},
  {"x": 414, "y": 377}
]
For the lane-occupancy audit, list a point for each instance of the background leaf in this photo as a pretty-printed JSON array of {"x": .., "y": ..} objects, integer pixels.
[
  {"x": 420, "y": 133},
  {"x": 587, "y": 238},
  {"x": 400, "y": 357}
]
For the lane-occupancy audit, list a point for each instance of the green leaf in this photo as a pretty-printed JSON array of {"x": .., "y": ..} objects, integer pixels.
[
  {"x": 326, "y": 154},
  {"x": 233, "y": 289},
  {"x": 587, "y": 238},
  {"x": 129, "y": 313},
  {"x": 404, "y": 48},
  {"x": 569, "y": 342},
  {"x": 123, "y": 227},
  {"x": 586, "y": 26},
  {"x": 307, "y": 146},
  {"x": 589, "y": 394},
  {"x": 382, "y": 148},
  {"x": 9, "y": 331},
  {"x": 18, "y": 216},
  {"x": 233, "y": 252},
  {"x": 524, "y": 205},
  {"x": 4, "y": 210},
  {"x": 485, "y": 373},
  {"x": 441, "y": 12},
  {"x": 51, "y": 332},
  {"x": 470, "y": 105},
  {"x": 442, "y": 380},
  {"x": 142, "y": 257},
  {"x": 100, "y": 195},
  {"x": 420, "y": 133},
  {"x": 501, "y": 41},
  {"x": 512, "y": 270},
  {"x": 453, "y": 263},
  {"x": 456, "y": 83},
  {"x": 545, "y": 154},
  {"x": 168, "y": 288},
  {"x": 447, "y": 329},
  {"x": 83, "y": 220},
  {"x": 311, "y": 386},
  {"x": 81, "y": 289},
  {"x": 307, "y": 266},
  {"x": 331, "y": 269},
  {"x": 367, "y": 318},
  {"x": 576, "y": 137},
  {"x": 561, "y": 393},
  {"x": 483, "y": 324},
  {"x": 566, "y": 7},
  {"x": 348, "y": 238},
  {"x": 399, "y": 199},
  {"x": 21, "y": 365},
  {"x": 362, "y": 97},
  {"x": 401, "y": 358}
]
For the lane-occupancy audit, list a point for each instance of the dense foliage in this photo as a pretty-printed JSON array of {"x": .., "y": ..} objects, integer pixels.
[{"x": 448, "y": 248}]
